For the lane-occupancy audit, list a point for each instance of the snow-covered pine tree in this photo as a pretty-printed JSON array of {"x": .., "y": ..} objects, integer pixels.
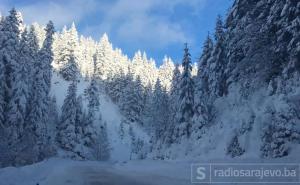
[
  {"x": 46, "y": 56},
  {"x": 28, "y": 54},
  {"x": 80, "y": 118},
  {"x": 218, "y": 61},
  {"x": 137, "y": 148},
  {"x": 206, "y": 54},
  {"x": 133, "y": 141},
  {"x": 138, "y": 64},
  {"x": 10, "y": 38},
  {"x": 2, "y": 81},
  {"x": 174, "y": 106},
  {"x": 160, "y": 111},
  {"x": 32, "y": 57},
  {"x": 116, "y": 85},
  {"x": 146, "y": 115},
  {"x": 70, "y": 70},
  {"x": 69, "y": 55},
  {"x": 53, "y": 119},
  {"x": 2, "y": 93},
  {"x": 102, "y": 148},
  {"x": 36, "y": 93},
  {"x": 66, "y": 137},
  {"x": 166, "y": 72},
  {"x": 10, "y": 34},
  {"x": 92, "y": 94},
  {"x": 104, "y": 58},
  {"x": 19, "y": 90},
  {"x": 89, "y": 131},
  {"x": 186, "y": 99},
  {"x": 40, "y": 33},
  {"x": 132, "y": 99},
  {"x": 202, "y": 95},
  {"x": 88, "y": 49},
  {"x": 121, "y": 131}
]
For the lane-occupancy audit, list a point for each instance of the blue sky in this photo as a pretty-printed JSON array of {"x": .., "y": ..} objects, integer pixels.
[{"x": 159, "y": 27}]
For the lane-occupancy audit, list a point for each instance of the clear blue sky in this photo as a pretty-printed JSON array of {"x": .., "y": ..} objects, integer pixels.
[{"x": 158, "y": 27}]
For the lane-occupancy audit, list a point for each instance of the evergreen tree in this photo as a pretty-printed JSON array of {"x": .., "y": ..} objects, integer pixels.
[
  {"x": 89, "y": 132},
  {"x": 160, "y": 111},
  {"x": 39, "y": 102},
  {"x": 166, "y": 72},
  {"x": 19, "y": 91},
  {"x": 70, "y": 70},
  {"x": 10, "y": 94},
  {"x": 88, "y": 49},
  {"x": 80, "y": 118},
  {"x": 174, "y": 105},
  {"x": 217, "y": 62},
  {"x": 103, "y": 147},
  {"x": 53, "y": 119},
  {"x": 132, "y": 99},
  {"x": 104, "y": 58},
  {"x": 67, "y": 138},
  {"x": 118, "y": 83},
  {"x": 121, "y": 130},
  {"x": 46, "y": 55},
  {"x": 93, "y": 94},
  {"x": 31, "y": 55},
  {"x": 202, "y": 94},
  {"x": 133, "y": 140},
  {"x": 68, "y": 59},
  {"x": 186, "y": 99},
  {"x": 148, "y": 109},
  {"x": 2, "y": 79},
  {"x": 10, "y": 38},
  {"x": 40, "y": 33},
  {"x": 2, "y": 93}
]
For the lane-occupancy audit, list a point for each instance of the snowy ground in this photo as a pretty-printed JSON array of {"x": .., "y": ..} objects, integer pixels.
[
  {"x": 66, "y": 172},
  {"x": 57, "y": 171}
]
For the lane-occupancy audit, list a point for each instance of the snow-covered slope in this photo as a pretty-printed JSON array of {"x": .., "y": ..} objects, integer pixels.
[{"x": 120, "y": 147}]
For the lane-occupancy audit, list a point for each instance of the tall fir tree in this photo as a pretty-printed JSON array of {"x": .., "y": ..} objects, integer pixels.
[
  {"x": 68, "y": 55},
  {"x": 89, "y": 131},
  {"x": 10, "y": 43},
  {"x": 39, "y": 102},
  {"x": 186, "y": 99},
  {"x": 104, "y": 58},
  {"x": 202, "y": 94},
  {"x": 80, "y": 118},
  {"x": 70, "y": 70},
  {"x": 31, "y": 54},
  {"x": 132, "y": 98},
  {"x": 166, "y": 72},
  {"x": 102, "y": 149},
  {"x": 46, "y": 55},
  {"x": 218, "y": 61},
  {"x": 174, "y": 105},
  {"x": 19, "y": 90},
  {"x": 160, "y": 111},
  {"x": 67, "y": 138}
]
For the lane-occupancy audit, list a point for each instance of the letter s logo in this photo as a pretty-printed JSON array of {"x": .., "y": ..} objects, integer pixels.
[{"x": 201, "y": 173}]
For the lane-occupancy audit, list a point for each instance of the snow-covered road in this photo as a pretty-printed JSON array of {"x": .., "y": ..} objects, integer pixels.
[
  {"x": 58, "y": 171},
  {"x": 68, "y": 172},
  {"x": 110, "y": 177}
]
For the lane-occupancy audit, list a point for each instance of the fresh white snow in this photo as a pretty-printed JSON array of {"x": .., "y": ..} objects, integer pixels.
[{"x": 57, "y": 171}]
